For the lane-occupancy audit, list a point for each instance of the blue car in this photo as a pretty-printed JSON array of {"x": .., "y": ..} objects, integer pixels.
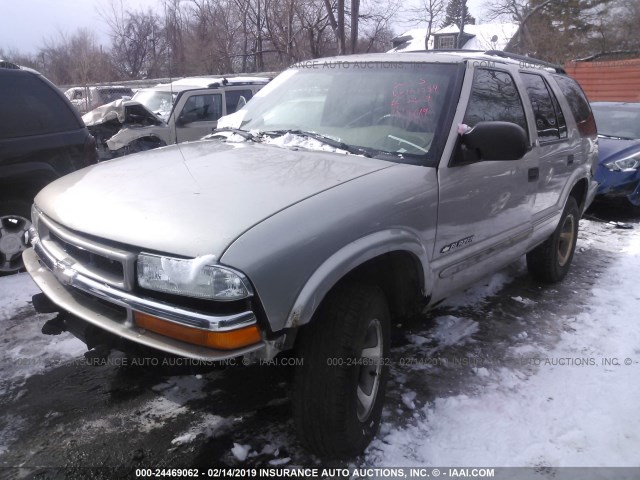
[{"x": 619, "y": 163}]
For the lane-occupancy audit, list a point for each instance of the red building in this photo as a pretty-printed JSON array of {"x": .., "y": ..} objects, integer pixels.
[{"x": 608, "y": 80}]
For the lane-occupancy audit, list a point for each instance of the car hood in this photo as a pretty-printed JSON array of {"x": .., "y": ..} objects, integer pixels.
[
  {"x": 195, "y": 198},
  {"x": 611, "y": 149},
  {"x": 112, "y": 111}
]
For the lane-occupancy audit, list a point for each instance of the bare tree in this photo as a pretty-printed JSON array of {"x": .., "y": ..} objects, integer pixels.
[
  {"x": 74, "y": 59},
  {"x": 138, "y": 40},
  {"x": 429, "y": 11}
]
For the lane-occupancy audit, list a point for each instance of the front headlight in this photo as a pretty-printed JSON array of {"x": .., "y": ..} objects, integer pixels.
[
  {"x": 198, "y": 278},
  {"x": 627, "y": 164}
]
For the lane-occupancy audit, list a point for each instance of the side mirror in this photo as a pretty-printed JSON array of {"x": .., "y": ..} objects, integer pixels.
[
  {"x": 495, "y": 141},
  {"x": 180, "y": 121}
]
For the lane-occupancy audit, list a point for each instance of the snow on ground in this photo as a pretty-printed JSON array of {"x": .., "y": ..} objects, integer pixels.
[
  {"x": 563, "y": 407},
  {"x": 25, "y": 350},
  {"x": 560, "y": 405}
]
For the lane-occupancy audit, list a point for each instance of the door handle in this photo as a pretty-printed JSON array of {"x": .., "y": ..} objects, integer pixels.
[{"x": 534, "y": 174}]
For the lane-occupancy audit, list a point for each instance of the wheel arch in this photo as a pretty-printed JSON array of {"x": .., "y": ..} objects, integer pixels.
[
  {"x": 395, "y": 260},
  {"x": 25, "y": 180},
  {"x": 579, "y": 191}
]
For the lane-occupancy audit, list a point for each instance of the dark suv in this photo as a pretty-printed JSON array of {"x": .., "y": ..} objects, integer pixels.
[{"x": 42, "y": 138}]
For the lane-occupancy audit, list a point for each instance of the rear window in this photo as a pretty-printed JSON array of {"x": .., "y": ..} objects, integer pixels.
[
  {"x": 31, "y": 107},
  {"x": 578, "y": 104}
]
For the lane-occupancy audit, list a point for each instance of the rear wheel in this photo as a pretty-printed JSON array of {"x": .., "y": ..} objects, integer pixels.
[
  {"x": 550, "y": 261},
  {"x": 339, "y": 389},
  {"x": 14, "y": 224}
]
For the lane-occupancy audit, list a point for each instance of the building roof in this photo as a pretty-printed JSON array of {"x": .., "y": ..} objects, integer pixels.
[{"x": 485, "y": 36}]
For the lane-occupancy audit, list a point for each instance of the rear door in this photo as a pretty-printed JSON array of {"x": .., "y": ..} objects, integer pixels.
[
  {"x": 556, "y": 151},
  {"x": 197, "y": 114},
  {"x": 484, "y": 212}
]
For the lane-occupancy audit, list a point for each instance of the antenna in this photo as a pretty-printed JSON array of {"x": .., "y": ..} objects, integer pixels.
[{"x": 173, "y": 105}]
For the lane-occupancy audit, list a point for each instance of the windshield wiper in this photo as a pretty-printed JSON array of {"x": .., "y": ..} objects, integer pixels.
[
  {"x": 243, "y": 133},
  {"x": 321, "y": 138},
  {"x": 615, "y": 137}
]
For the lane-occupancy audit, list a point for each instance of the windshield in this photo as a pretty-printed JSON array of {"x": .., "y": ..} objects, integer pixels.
[
  {"x": 157, "y": 101},
  {"x": 394, "y": 108},
  {"x": 621, "y": 121}
]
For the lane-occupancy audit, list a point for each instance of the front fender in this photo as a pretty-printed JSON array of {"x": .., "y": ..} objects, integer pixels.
[
  {"x": 127, "y": 135},
  {"x": 345, "y": 260}
]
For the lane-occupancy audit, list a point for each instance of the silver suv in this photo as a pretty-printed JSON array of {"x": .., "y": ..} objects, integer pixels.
[{"x": 349, "y": 192}]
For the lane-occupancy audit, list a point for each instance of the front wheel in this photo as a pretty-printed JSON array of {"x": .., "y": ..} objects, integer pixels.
[
  {"x": 550, "y": 261},
  {"x": 14, "y": 224},
  {"x": 340, "y": 386}
]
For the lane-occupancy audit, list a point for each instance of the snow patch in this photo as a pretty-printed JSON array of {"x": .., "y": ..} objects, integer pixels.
[
  {"x": 240, "y": 451},
  {"x": 555, "y": 414},
  {"x": 408, "y": 399},
  {"x": 209, "y": 426},
  {"x": 290, "y": 140},
  {"x": 452, "y": 330},
  {"x": 524, "y": 301},
  {"x": 484, "y": 288},
  {"x": 26, "y": 351}
]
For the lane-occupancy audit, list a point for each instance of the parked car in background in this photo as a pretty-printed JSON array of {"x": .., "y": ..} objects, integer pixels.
[
  {"x": 619, "y": 162},
  {"x": 86, "y": 99},
  {"x": 42, "y": 137},
  {"x": 181, "y": 111}
]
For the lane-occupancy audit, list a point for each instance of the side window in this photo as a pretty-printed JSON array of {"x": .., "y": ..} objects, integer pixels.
[
  {"x": 233, "y": 99},
  {"x": 31, "y": 107},
  {"x": 494, "y": 97},
  {"x": 550, "y": 121},
  {"x": 578, "y": 104},
  {"x": 202, "y": 108}
]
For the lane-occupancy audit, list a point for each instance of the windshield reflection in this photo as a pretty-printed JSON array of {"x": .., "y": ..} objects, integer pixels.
[{"x": 391, "y": 108}]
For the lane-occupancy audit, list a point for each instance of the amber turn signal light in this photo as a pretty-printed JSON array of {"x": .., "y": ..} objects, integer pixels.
[{"x": 227, "y": 340}]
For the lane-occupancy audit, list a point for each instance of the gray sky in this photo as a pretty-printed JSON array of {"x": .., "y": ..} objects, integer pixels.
[{"x": 26, "y": 24}]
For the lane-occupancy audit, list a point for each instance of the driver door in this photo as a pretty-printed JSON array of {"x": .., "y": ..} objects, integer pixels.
[
  {"x": 198, "y": 115},
  {"x": 485, "y": 207}
]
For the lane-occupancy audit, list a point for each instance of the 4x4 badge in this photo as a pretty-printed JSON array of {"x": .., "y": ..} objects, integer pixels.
[{"x": 458, "y": 244}]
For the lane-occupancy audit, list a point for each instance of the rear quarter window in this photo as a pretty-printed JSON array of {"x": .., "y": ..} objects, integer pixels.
[
  {"x": 578, "y": 104},
  {"x": 232, "y": 99},
  {"x": 31, "y": 107},
  {"x": 549, "y": 118}
]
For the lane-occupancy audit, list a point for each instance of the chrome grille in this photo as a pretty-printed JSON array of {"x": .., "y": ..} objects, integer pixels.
[{"x": 113, "y": 266}]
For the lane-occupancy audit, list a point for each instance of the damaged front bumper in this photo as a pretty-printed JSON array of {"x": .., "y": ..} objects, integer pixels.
[{"x": 114, "y": 310}]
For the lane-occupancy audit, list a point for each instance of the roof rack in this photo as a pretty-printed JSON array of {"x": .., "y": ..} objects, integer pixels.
[
  {"x": 523, "y": 58},
  {"x": 442, "y": 50}
]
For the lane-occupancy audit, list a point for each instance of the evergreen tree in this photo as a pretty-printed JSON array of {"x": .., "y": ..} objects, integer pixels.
[{"x": 453, "y": 13}]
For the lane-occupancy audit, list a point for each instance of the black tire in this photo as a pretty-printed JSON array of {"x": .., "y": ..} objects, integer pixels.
[
  {"x": 550, "y": 261},
  {"x": 14, "y": 222},
  {"x": 330, "y": 419}
]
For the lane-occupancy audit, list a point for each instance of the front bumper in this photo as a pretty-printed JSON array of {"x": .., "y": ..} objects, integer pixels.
[
  {"x": 111, "y": 309},
  {"x": 616, "y": 185}
]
